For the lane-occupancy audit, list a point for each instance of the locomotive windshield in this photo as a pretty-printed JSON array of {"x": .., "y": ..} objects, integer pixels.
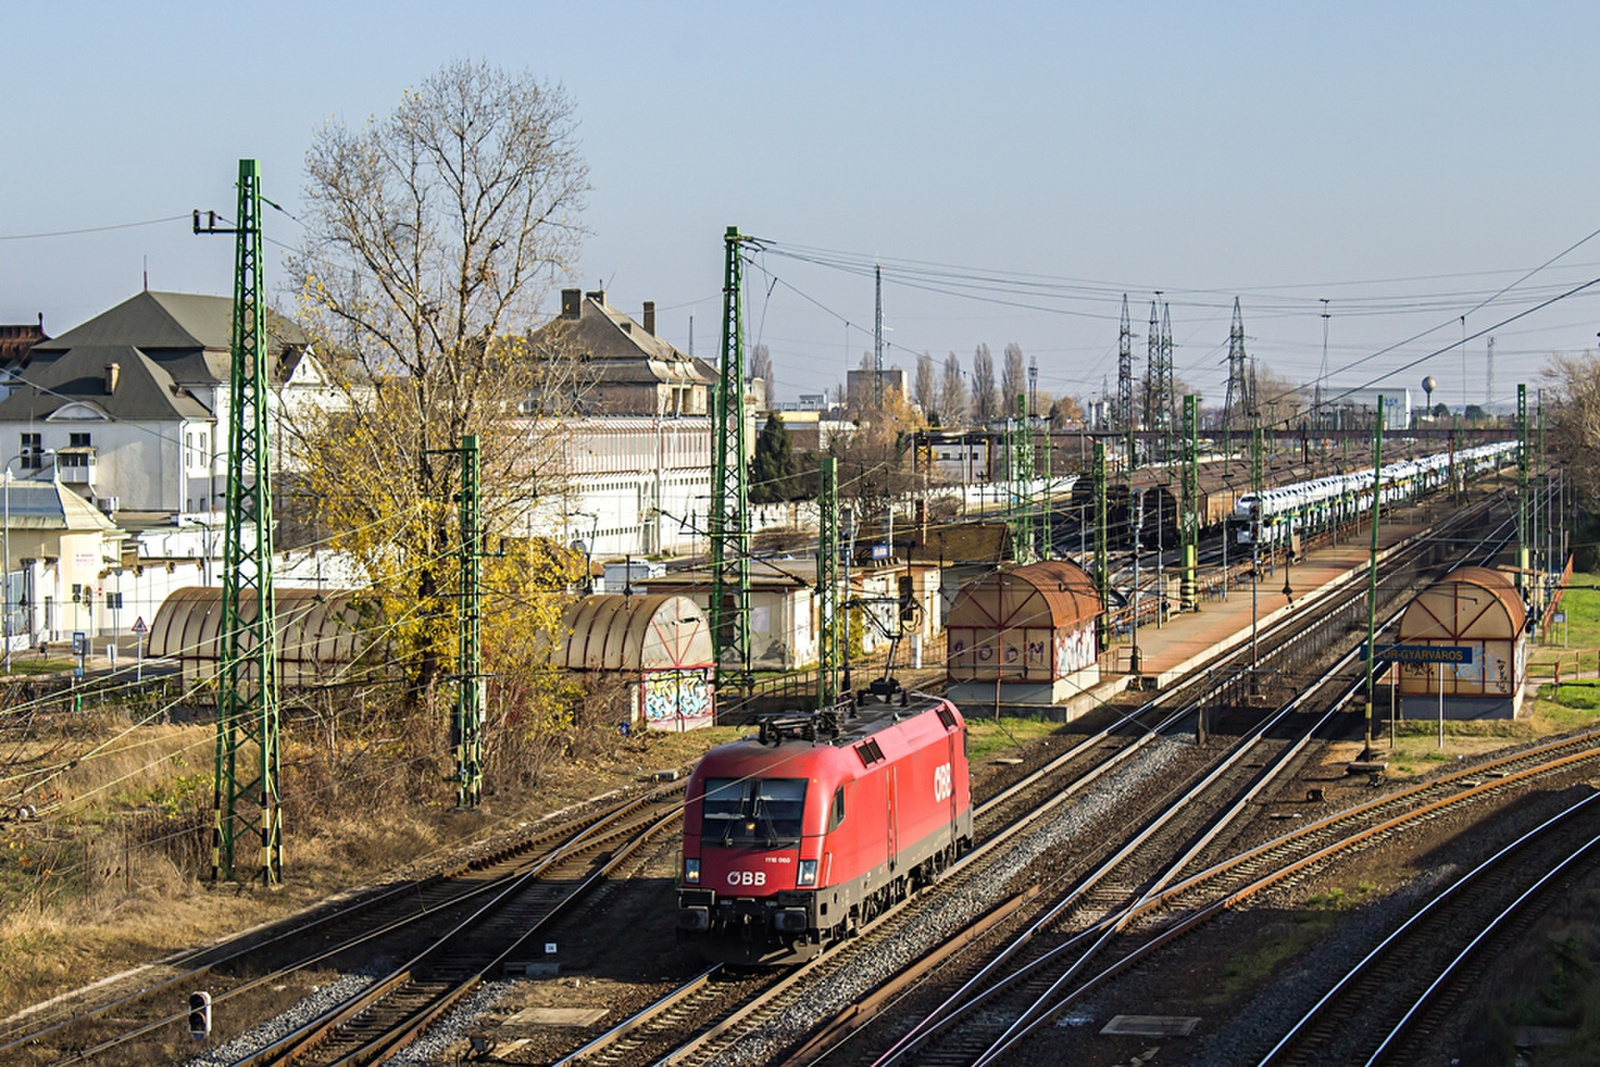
[{"x": 753, "y": 812}]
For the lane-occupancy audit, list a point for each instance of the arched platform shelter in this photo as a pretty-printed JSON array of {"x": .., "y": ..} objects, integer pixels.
[
  {"x": 1479, "y": 611},
  {"x": 658, "y": 645},
  {"x": 321, "y": 635},
  {"x": 1025, "y": 635}
]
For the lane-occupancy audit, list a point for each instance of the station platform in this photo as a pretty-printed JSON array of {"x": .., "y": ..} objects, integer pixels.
[{"x": 1186, "y": 640}]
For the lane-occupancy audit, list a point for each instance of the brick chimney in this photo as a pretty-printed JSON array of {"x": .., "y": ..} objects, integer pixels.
[
  {"x": 113, "y": 375},
  {"x": 597, "y": 295},
  {"x": 650, "y": 317},
  {"x": 571, "y": 303}
]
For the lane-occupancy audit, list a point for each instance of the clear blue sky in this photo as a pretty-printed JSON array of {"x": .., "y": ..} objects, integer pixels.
[{"x": 1403, "y": 161}]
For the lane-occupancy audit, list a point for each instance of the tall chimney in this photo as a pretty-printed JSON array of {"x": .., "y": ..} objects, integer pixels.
[
  {"x": 113, "y": 373},
  {"x": 571, "y": 303},
  {"x": 650, "y": 317}
]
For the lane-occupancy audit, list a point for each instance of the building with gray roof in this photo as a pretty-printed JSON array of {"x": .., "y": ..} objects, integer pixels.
[{"x": 130, "y": 407}]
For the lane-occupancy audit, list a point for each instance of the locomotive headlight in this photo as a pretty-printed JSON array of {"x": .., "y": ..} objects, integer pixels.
[
  {"x": 691, "y": 872},
  {"x": 808, "y": 873}
]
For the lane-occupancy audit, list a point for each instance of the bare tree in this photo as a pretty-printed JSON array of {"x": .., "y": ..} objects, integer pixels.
[
  {"x": 760, "y": 366},
  {"x": 1575, "y": 422},
  {"x": 1279, "y": 401},
  {"x": 953, "y": 394},
  {"x": 431, "y": 233},
  {"x": 983, "y": 397},
  {"x": 925, "y": 387},
  {"x": 1013, "y": 378},
  {"x": 875, "y": 458}
]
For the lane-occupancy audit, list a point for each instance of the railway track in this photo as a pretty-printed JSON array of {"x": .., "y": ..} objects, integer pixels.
[
  {"x": 399, "y": 1007},
  {"x": 77, "y": 1030},
  {"x": 1096, "y": 758},
  {"x": 1286, "y": 645},
  {"x": 1192, "y": 901},
  {"x": 1425, "y": 965},
  {"x": 1021, "y": 978}
]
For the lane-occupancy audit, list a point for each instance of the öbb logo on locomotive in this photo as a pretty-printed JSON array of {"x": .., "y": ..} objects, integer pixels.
[
  {"x": 747, "y": 877},
  {"x": 943, "y": 786}
]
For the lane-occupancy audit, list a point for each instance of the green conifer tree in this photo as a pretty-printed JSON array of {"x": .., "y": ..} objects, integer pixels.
[{"x": 772, "y": 468}]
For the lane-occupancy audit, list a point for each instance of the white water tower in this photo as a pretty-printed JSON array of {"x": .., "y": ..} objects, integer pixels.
[{"x": 1428, "y": 386}]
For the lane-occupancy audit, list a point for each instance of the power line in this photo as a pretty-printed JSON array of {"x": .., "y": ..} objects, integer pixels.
[{"x": 91, "y": 229}]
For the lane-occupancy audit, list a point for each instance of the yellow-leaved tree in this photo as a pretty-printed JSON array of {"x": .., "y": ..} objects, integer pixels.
[{"x": 433, "y": 233}]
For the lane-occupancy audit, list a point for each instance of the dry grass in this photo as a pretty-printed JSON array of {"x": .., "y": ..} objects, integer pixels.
[
  {"x": 115, "y": 871},
  {"x": 1416, "y": 746}
]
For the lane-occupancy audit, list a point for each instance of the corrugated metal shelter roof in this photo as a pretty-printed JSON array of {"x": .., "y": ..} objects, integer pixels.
[
  {"x": 636, "y": 633},
  {"x": 1474, "y": 603},
  {"x": 316, "y": 630},
  {"x": 1054, "y": 594}
]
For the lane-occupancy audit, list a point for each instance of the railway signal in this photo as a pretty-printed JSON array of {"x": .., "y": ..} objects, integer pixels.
[{"x": 199, "y": 1015}]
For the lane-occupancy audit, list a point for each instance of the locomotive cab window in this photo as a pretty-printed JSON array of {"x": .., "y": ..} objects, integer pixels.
[
  {"x": 753, "y": 812},
  {"x": 836, "y": 816}
]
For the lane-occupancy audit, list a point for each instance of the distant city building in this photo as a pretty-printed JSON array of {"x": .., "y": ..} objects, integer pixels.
[
  {"x": 859, "y": 384},
  {"x": 622, "y": 485},
  {"x": 1354, "y": 408}
]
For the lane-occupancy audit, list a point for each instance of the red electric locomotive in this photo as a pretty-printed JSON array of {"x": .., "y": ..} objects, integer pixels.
[{"x": 795, "y": 837}]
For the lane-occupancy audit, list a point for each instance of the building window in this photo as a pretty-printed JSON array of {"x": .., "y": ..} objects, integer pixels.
[
  {"x": 77, "y": 459},
  {"x": 32, "y": 451},
  {"x": 188, "y": 449}
]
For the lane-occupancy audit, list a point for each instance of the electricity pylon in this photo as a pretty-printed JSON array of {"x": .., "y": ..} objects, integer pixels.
[
  {"x": 1022, "y": 501},
  {"x": 1127, "y": 417},
  {"x": 828, "y": 636},
  {"x": 1238, "y": 401},
  {"x": 730, "y": 489},
  {"x": 466, "y": 733},
  {"x": 246, "y": 803}
]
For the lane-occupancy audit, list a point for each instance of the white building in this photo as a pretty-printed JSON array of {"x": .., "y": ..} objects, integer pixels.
[
  {"x": 623, "y": 485},
  {"x": 130, "y": 408}
]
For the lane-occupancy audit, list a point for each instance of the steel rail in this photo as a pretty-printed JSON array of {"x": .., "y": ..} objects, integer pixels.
[
  {"x": 1512, "y": 910},
  {"x": 1206, "y": 912},
  {"x": 1119, "y": 920},
  {"x": 641, "y": 1017},
  {"x": 296, "y": 1043},
  {"x": 1458, "y": 887},
  {"x": 573, "y": 830},
  {"x": 953, "y": 1007}
]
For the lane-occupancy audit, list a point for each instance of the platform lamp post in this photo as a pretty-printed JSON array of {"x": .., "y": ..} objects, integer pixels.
[
  {"x": 1288, "y": 558},
  {"x": 1255, "y": 585}
]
